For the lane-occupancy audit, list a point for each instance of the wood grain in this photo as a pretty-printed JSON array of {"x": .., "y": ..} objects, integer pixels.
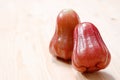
[{"x": 27, "y": 26}]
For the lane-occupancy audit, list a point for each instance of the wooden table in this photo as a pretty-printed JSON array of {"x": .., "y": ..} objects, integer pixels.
[{"x": 27, "y": 26}]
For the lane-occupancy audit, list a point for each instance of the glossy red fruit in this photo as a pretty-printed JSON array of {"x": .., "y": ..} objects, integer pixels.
[
  {"x": 61, "y": 44},
  {"x": 90, "y": 53}
]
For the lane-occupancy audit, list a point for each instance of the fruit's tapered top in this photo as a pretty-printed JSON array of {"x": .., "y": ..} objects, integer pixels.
[{"x": 67, "y": 19}]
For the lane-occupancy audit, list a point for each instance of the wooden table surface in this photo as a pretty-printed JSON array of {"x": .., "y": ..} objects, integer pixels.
[{"x": 27, "y": 26}]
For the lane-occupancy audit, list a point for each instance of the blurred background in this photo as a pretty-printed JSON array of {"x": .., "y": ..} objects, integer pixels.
[{"x": 27, "y": 26}]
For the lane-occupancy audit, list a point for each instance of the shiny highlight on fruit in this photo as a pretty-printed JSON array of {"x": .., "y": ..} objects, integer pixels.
[
  {"x": 90, "y": 53},
  {"x": 61, "y": 44}
]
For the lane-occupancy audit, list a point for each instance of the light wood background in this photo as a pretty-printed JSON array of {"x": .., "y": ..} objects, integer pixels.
[{"x": 27, "y": 26}]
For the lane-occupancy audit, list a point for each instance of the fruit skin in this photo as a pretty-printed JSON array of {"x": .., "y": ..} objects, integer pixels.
[
  {"x": 90, "y": 53},
  {"x": 61, "y": 44}
]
